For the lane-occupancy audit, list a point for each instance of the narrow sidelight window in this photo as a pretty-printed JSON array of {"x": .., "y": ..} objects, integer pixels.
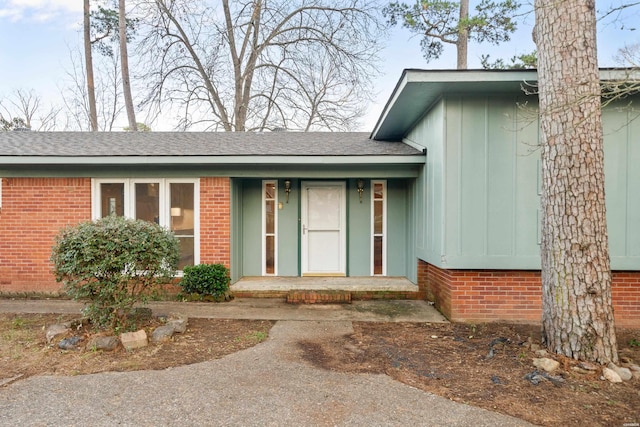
[
  {"x": 379, "y": 228},
  {"x": 269, "y": 220},
  {"x": 182, "y": 221}
]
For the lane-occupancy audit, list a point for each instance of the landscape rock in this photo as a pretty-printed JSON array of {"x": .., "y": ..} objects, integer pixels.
[
  {"x": 632, "y": 367},
  {"x": 623, "y": 373},
  {"x": 69, "y": 343},
  {"x": 54, "y": 331},
  {"x": 588, "y": 366},
  {"x": 179, "y": 324},
  {"x": 582, "y": 371},
  {"x": 542, "y": 353},
  {"x": 625, "y": 360},
  {"x": 162, "y": 333},
  {"x": 546, "y": 364},
  {"x": 104, "y": 343},
  {"x": 133, "y": 340},
  {"x": 536, "y": 377},
  {"x": 611, "y": 375}
]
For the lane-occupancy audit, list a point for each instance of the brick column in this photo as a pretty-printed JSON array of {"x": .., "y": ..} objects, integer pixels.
[{"x": 215, "y": 221}]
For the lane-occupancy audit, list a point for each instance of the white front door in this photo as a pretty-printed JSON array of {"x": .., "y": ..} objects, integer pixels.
[{"x": 324, "y": 243}]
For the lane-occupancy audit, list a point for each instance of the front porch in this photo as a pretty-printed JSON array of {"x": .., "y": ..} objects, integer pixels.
[{"x": 358, "y": 288}]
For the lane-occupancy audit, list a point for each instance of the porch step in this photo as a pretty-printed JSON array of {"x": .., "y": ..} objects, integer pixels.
[
  {"x": 322, "y": 289},
  {"x": 319, "y": 297}
]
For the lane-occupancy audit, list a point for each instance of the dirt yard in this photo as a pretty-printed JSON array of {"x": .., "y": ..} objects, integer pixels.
[{"x": 450, "y": 360}]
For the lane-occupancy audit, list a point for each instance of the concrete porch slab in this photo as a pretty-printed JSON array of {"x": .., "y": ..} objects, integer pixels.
[{"x": 350, "y": 284}]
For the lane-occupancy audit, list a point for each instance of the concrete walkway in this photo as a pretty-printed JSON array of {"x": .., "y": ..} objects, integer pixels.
[
  {"x": 260, "y": 309},
  {"x": 267, "y": 385}
]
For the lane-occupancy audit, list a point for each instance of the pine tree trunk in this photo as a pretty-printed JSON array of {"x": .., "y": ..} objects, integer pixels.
[
  {"x": 124, "y": 63},
  {"x": 88, "y": 61},
  {"x": 462, "y": 45},
  {"x": 576, "y": 277}
]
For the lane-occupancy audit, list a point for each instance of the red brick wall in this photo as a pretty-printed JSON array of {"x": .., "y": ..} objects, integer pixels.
[
  {"x": 488, "y": 295},
  {"x": 33, "y": 211},
  {"x": 625, "y": 293},
  {"x": 215, "y": 221}
]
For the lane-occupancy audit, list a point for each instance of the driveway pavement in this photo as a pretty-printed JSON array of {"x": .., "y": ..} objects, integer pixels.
[{"x": 266, "y": 385}]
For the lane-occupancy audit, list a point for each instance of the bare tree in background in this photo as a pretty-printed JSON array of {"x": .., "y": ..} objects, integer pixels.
[
  {"x": 124, "y": 64},
  {"x": 23, "y": 110},
  {"x": 88, "y": 59},
  {"x": 245, "y": 66},
  {"x": 108, "y": 93}
]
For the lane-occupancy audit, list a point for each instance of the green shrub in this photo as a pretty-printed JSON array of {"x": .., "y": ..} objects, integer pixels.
[
  {"x": 206, "y": 279},
  {"x": 114, "y": 263}
]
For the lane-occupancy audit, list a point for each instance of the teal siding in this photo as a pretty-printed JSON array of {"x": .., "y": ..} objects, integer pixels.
[
  {"x": 359, "y": 232},
  {"x": 428, "y": 201},
  {"x": 252, "y": 228},
  {"x": 622, "y": 185},
  {"x": 478, "y": 199},
  {"x": 396, "y": 228},
  {"x": 236, "y": 230},
  {"x": 288, "y": 230}
]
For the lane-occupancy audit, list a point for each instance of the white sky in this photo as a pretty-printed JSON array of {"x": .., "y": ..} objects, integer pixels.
[{"x": 37, "y": 35}]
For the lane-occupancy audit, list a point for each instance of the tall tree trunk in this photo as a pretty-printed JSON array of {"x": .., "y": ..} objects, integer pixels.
[
  {"x": 88, "y": 60},
  {"x": 577, "y": 318},
  {"x": 124, "y": 63},
  {"x": 462, "y": 44}
]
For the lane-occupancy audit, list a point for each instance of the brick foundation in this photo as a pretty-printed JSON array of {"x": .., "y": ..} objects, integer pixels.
[
  {"x": 490, "y": 295},
  {"x": 33, "y": 212},
  {"x": 319, "y": 297}
]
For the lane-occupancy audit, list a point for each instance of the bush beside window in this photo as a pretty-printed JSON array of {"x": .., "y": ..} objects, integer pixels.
[{"x": 114, "y": 263}]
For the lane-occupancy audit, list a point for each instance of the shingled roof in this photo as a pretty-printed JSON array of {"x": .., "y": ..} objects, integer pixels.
[{"x": 176, "y": 144}]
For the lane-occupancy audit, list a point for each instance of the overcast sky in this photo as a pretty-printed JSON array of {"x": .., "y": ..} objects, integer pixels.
[{"x": 37, "y": 35}]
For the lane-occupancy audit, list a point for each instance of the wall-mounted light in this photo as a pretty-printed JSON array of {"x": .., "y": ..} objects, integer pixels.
[
  {"x": 287, "y": 188},
  {"x": 360, "y": 188}
]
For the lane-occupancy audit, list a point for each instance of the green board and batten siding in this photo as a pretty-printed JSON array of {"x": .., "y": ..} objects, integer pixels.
[{"x": 479, "y": 194}]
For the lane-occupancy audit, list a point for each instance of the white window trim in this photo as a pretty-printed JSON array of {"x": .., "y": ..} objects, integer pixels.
[
  {"x": 264, "y": 228},
  {"x": 384, "y": 226},
  {"x": 165, "y": 218}
]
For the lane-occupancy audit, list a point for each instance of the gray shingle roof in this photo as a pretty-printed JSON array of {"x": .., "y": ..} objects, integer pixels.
[{"x": 116, "y": 144}]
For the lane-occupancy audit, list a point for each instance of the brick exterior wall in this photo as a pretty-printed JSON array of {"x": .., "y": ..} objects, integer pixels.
[
  {"x": 490, "y": 295},
  {"x": 33, "y": 211},
  {"x": 215, "y": 221}
]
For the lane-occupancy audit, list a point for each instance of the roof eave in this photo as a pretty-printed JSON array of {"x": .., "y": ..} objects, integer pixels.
[
  {"x": 8, "y": 161},
  {"x": 418, "y": 91}
]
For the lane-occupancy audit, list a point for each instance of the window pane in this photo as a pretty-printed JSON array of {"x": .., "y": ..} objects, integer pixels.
[
  {"x": 377, "y": 255},
  {"x": 112, "y": 199},
  {"x": 270, "y": 254},
  {"x": 377, "y": 218},
  {"x": 378, "y": 192},
  {"x": 270, "y": 226},
  {"x": 186, "y": 252},
  {"x": 270, "y": 191},
  {"x": 148, "y": 202},
  {"x": 181, "y": 208}
]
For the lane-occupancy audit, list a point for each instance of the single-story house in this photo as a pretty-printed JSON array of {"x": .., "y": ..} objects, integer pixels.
[{"x": 444, "y": 192}]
